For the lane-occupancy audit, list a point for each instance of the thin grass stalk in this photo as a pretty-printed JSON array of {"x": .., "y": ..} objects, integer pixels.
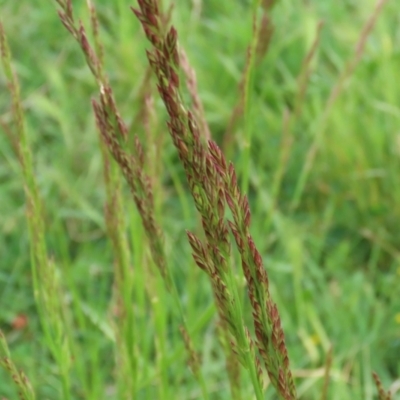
[
  {"x": 305, "y": 72},
  {"x": 231, "y": 362},
  {"x": 261, "y": 37},
  {"x": 247, "y": 98},
  {"x": 327, "y": 372},
  {"x": 289, "y": 120},
  {"x": 284, "y": 154},
  {"x": 159, "y": 314},
  {"x": 335, "y": 92},
  {"x": 25, "y": 390},
  {"x": 154, "y": 144},
  {"x": 46, "y": 286}
]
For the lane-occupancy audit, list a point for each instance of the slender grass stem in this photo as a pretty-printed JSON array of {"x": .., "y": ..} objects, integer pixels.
[{"x": 247, "y": 100}]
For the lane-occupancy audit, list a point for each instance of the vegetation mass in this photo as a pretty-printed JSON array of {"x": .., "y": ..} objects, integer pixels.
[{"x": 198, "y": 200}]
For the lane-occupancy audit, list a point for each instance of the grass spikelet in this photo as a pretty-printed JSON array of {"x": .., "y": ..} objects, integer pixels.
[
  {"x": 191, "y": 83},
  {"x": 25, "y": 390},
  {"x": 382, "y": 393}
]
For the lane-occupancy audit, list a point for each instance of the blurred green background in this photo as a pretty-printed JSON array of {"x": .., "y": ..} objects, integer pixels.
[{"x": 332, "y": 251}]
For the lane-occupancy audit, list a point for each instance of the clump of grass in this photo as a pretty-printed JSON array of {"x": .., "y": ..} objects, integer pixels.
[
  {"x": 213, "y": 185},
  {"x": 114, "y": 137},
  {"x": 217, "y": 195}
]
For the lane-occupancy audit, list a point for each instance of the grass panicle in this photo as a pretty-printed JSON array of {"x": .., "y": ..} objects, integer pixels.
[
  {"x": 213, "y": 182},
  {"x": 203, "y": 181},
  {"x": 124, "y": 325}
]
